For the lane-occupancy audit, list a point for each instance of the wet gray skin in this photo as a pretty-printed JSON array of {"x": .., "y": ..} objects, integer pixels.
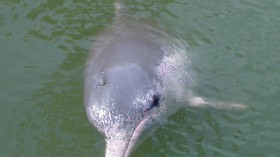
[
  {"x": 123, "y": 87},
  {"x": 135, "y": 75}
]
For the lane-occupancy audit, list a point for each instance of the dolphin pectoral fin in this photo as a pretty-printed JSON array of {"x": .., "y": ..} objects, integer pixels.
[{"x": 203, "y": 102}]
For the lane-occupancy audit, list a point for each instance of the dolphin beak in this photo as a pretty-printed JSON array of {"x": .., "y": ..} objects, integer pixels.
[
  {"x": 116, "y": 148},
  {"x": 124, "y": 147}
]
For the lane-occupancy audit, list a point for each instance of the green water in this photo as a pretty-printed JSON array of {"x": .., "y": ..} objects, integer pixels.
[{"x": 235, "y": 53}]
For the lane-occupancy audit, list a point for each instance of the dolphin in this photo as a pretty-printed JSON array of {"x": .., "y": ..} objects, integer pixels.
[{"x": 135, "y": 75}]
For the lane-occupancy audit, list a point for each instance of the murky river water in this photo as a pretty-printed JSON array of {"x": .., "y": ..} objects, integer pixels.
[{"x": 235, "y": 55}]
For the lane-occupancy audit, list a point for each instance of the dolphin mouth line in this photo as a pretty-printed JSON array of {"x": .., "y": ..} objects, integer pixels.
[
  {"x": 124, "y": 148},
  {"x": 132, "y": 142}
]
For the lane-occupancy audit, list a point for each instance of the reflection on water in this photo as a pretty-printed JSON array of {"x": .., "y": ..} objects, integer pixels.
[{"x": 234, "y": 53}]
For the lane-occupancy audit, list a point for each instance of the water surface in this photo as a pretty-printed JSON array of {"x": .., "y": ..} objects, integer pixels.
[{"x": 235, "y": 55}]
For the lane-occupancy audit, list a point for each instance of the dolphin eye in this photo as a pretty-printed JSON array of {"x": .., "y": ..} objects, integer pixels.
[{"x": 155, "y": 103}]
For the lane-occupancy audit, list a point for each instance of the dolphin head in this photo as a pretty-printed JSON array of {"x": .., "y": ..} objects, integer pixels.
[{"x": 122, "y": 102}]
